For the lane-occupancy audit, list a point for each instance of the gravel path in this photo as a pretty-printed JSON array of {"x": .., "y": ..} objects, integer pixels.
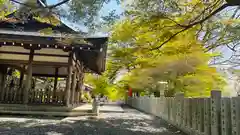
[{"x": 131, "y": 122}]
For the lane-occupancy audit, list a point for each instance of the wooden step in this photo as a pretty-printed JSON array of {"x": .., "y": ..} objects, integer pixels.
[
  {"x": 41, "y": 108},
  {"x": 44, "y": 113}
]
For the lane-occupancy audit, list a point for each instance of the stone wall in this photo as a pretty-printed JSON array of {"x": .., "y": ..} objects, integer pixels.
[{"x": 215, "y": 115}]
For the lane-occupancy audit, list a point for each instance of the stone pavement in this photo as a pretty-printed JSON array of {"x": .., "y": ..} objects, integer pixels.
[
  {"x": 131, "y": 122},
  {"x": 103, "y": 108}
]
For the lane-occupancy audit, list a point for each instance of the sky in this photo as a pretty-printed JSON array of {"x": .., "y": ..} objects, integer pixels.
[
  {"x": 112, "y": 5},
  {"x": 107, "y": 8}
]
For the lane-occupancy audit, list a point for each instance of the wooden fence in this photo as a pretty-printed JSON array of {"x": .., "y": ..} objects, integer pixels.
[
  {"x": 44, "y": 96},
  {"x": 215, "y": 115},
  {"x": 14, "y": 95}
]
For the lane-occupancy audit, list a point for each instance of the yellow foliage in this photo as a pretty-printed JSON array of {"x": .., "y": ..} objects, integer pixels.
[
  {"x": 101, "y": 85},
  {"x": 181, "y": 62}
]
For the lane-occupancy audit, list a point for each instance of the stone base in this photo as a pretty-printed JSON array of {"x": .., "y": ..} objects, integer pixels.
[{"x": 44, "y": 110}]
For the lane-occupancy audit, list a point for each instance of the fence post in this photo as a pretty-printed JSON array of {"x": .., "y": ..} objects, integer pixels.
[
  {"x": 200, "y": 114},
  {"x": 179, "y": 99},
  {"x": 226, "y": 116},
  {"x": 165, "y": 111},
  {"x": 182, "y": 112},
  {"x": 190, "y": 114},
  {"x": 235, "y": 113},
  {"x": 215, "y": 112},
  {"x": 197, "y": 114},
  {"x": 160, "y": 102},
  {"x": 194, "y": 115},
  {"x": 170, "y": 109},
  {"x": 207, "y": 116},
  {"x": 186, "y": 114}
]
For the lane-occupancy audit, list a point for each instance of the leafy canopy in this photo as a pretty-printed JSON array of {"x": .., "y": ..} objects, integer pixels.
[{"x": 182, "y": 62}]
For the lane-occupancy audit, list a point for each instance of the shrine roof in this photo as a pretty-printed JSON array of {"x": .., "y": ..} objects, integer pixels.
[{"x": 92, "y": 52}]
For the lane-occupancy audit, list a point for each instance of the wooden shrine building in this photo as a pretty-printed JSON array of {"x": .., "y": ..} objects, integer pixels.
[{"x": 36, "y": 54}]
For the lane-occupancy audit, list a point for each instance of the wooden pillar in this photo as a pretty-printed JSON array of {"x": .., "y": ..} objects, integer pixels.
[
  {"x": 81, "y": 78},
  {"x": 55, "y": 85},
  {"x": 1, "y": 79},
  {"x": 73, "y": 87},
  {"x": 21, "y": 79},
  {"x": 1, "y": 82},
  {"x": 79, "y": 83},
  {"x": 78, "y": 92},
  {"x": 81, "y": 86},
  {"x": 20, "y": 89},
  {"x": 68, "y": 81},
  {"x": 29, "y": 78},
  {"x": 4, "y": 78}
]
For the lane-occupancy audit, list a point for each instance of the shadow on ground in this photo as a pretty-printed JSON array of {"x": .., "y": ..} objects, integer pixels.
[{"x": 130, "y": 123}]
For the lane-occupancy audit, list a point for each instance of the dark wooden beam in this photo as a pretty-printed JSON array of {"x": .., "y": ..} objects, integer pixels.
[
  {"x": 48, "y": 75},
  {"x": 78, "y": 91},
  {"x": 55, "y": 83},
  {"x": 21, "y": 79},
  {"x": 35, "y": 54},
  {"x": 39, "y": 43},
  {"x": 20, "y": 90},
  {"x": 35, "y": 63},
  {"x": 4, "y": 79}
]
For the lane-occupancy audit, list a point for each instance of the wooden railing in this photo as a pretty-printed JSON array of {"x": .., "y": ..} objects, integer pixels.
[
  {"x": 46, "y": 96},
  {"x": 11, "y": 95},
  {"x": 14, "y": 95}
]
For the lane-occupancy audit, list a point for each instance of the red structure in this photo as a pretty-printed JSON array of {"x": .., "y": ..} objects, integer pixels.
[{"x": 129, "y": 91}]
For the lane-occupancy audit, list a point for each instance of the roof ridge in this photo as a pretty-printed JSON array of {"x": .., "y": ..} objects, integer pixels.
[{"x": 12, "y": 16}]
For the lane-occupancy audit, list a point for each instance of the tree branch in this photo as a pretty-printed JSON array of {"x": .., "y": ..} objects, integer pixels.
[
  {"x": 49, "y": 7},
  {"x": 209, "y": 16},
  {"x": 58, "y": 4},
  {"x": 178, "y": 24},
  {"x": 169, "y": 39},
  {"x": 186, "y": 27},
  {"x": 199, "y": 31},
  {"x": 222, "y": 36},
  {"x": 211, "y": 6},
  {"x": 231, "y": 48}
]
